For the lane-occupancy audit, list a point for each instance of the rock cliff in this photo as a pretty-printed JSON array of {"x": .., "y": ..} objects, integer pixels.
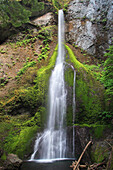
[{"x": 89, "y": 25}]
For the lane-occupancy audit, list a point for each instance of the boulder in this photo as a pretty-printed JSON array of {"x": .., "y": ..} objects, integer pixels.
[
  {"x": 12, "y": 162},
  {"x": 44, "y": 20}
]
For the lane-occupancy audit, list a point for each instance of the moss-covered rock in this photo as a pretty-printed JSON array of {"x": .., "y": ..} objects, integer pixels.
[
  {"x": 89, "y": 91},
  {"x": 19, "y": 143},
  {"x": 16, "y": 135},
  {"x": 69, "y": 77},
  {"x": 100, "y": 152}
]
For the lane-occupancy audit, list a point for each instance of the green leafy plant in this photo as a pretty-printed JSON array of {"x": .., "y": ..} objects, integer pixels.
[
  {"x": 13, "y": 63},
  {"x": 25, "y": 67},
  {"x": 1, "y": 64},
  {"x": 104, "y": 20},
  {"x": 13, "y": 13},
  {"x": 12, "y": 58},
  {"x": 106, "y": 116},
  {"x": 107, "y": 78},
  {"x": 8, "y": 65}
]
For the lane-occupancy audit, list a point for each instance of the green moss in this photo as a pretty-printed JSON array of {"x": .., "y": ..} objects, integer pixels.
[
  {"x": 69, "y": 115},
  {"x": 73, "y": 59},
  {"x": 100, "y": 153},
  {"x": 19, "y": 143},
  {"x": 25, "y": 67},
  {"x": 89, "y": 92},
  {"x": 69, "y": 75},
  {"x": 98, "y": 131},
  {"x": 3, "y": 157},
  {"x": 89, "y": 100},
  {"x": 42, "y": 79},
  {"x": 43, "y": 115},
  {"x": 50, "y": 65},
  {"x": 57, "y": 4},
  {"x": 20, "y": 134},
  {"x": 38, "y": 119},
  {"x": 17, "y": 134}
]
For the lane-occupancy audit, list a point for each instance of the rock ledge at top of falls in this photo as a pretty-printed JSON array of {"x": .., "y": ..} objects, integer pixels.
[{"x": 90, "y": 25}]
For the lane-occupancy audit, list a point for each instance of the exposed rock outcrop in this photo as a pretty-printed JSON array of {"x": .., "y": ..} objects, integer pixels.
[
  {"x": 44, "y": 20},
  {"x": 90, "y": 25}
]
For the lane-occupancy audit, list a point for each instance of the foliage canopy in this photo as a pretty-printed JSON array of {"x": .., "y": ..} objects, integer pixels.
[
  {"x": 107, "y": 78},
  {"x": 16, "y": 13}
]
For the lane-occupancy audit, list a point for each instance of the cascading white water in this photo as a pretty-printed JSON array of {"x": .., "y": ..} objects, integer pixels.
[
  {"x": 52, "y": 143},
  {"x": 74, "y": 108}
]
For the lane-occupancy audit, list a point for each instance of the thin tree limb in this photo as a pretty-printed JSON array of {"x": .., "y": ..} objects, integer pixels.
[{"x": 76, "y": 166}]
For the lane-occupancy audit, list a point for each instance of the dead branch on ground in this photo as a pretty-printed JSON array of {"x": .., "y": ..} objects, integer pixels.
[{"x": 75, "y": 165}]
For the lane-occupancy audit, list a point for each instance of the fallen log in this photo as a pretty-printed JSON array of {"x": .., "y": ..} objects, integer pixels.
[
  {"x": 82, "y": 155},
  {"x": 76, "y": 165}
]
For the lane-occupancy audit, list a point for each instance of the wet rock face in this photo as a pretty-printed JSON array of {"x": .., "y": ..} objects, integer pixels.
[
  {"x": 82, "y": 137},
  {"x": 99, "y": 150},
  {"x": 90, "y": 24}
]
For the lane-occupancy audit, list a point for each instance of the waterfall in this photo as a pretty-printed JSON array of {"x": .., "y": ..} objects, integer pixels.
[
  {"x": 74, "y": 108},
  {"x": 52, "y": 143}
]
